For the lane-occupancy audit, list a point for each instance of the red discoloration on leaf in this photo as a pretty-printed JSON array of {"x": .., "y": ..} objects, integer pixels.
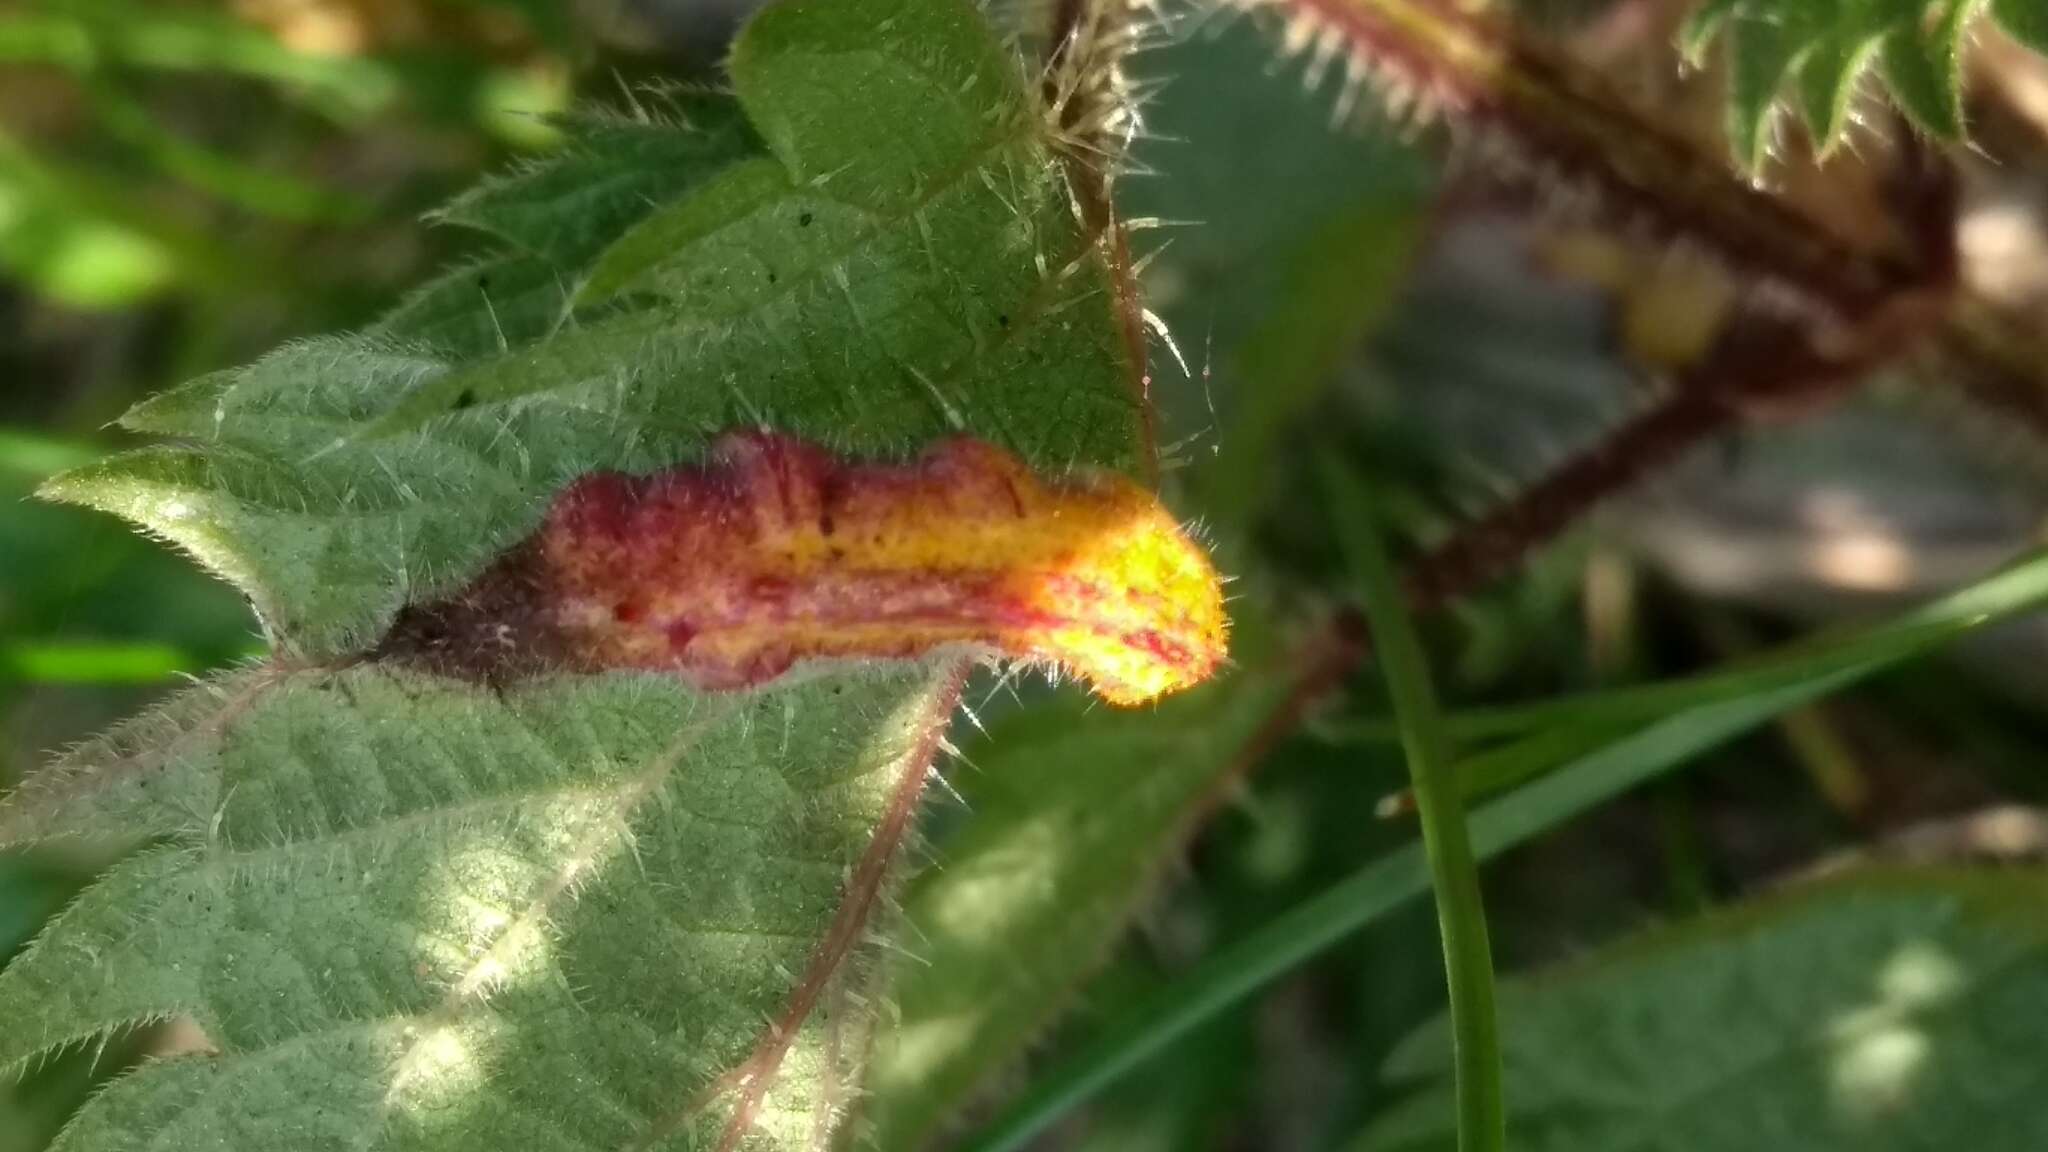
[{"x": 775, "y": 552}]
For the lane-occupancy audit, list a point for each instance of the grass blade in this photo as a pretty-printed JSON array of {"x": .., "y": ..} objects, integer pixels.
[
  {"x": 1446, "y": 842},
  {"x": 1308, "y": 929}
]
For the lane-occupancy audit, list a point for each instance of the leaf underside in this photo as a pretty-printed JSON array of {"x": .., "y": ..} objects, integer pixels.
[{"x": 576, "y": 912}]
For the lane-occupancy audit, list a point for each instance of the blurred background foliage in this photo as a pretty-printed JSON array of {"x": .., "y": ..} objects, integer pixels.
[{"x": 183, "y": 185}]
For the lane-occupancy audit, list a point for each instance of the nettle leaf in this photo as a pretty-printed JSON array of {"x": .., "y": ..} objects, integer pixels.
[
  {"x": 1821, "y": 49},
  {"x": 871, "y": 304},
  {"x": 1888, "y": 1010},
  {"x": 551, "y": 220},
  {"x": 1071, "y": 813},
  {"x": 412, "y": 903},
  {"x": 409, "y": 913}
]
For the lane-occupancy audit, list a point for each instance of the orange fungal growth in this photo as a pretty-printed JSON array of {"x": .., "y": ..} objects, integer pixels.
[{"x": 775, "y": 552}]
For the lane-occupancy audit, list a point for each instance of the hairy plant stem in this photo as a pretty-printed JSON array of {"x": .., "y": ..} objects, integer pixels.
[
  {"x": 1759, "y": 368},
  {"x": 753, "y": 1077},
  {"x": 856, "y": 904},
  {"x": 1532, "y": 117},
  {"x": 1082, "y": 91}
]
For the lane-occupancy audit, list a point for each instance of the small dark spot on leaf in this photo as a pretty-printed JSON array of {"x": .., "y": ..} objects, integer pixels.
[
  {"x": 803, "y": 220},
  {"x": 1003, "y": 319},
  {"x": 484, "y": 282},
  {"x": 771, "y": 277},
  {"x": 465, "y": 398}
]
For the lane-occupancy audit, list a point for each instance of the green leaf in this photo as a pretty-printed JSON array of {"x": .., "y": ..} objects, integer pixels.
[
  {"x": 554, "y": 218},
  {"x": 1759, "y": 54},
  {"x": 871, "y": 305},
  {"x": 455, "y": 917},
  {"x": 414, "y": 912},
  {"x": 1305, "y": 931},
  {"x": 613, "y": 171},
  {"x": 1071, "y": 810},
  {"x": 1922, "y": 67},
  {"x": 1888, "y": 1010},
  {"x": 1824, "y": 48},
  {"x": 33, "y": 1108},
  {"x": 492, "y": 304},
  {"x": 831, "y": 87},
  {"x": 1827, "y": 75}
]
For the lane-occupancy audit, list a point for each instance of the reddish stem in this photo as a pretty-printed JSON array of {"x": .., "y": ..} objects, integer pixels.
[{"x": 863, "y": 891}]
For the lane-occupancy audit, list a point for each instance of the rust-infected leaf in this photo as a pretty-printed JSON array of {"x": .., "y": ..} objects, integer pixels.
[{"x": 775, "y": 552}]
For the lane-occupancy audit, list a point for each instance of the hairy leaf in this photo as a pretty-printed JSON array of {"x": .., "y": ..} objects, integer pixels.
[
  {"x": 869, "y": 304},
  {"x": 408, "y": 912},
  {"x": 406, "y": 909},
  {"x": 554, "y": 218},
  {"x": 1071, "y": 814},
  {"x": 1821, "y": 50},
  {"x": 1890, "y": 1010}
]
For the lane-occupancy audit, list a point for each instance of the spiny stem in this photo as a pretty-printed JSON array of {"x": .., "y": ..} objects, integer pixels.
[
  {"x": 1758, "y": 364},
  {"x": 1541, "y": 118},
  {"x": 1761, "y": 363},
  {"x": 752, "y": 1078},
  {"x": 1536, "y": 119},
  {"x": 856, "y": 904},
  {"x": 1998, "y": 362},
  {"x": 1084, "y": 95},
  {"x": 1480, "y": 552}
]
